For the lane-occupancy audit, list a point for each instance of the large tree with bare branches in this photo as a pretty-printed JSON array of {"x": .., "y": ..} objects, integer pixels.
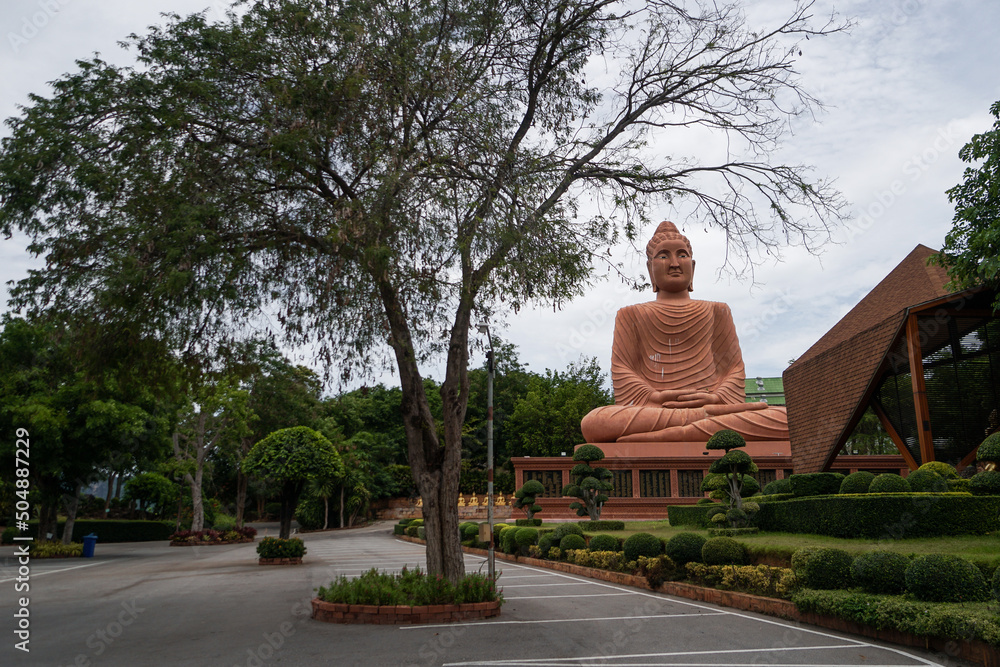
[{"x": 370, "y": 176}]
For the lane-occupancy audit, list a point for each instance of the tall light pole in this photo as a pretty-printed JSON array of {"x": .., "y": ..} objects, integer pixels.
[{"x": 490, "y": 368}]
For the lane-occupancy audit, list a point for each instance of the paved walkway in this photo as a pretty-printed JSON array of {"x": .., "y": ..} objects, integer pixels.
[{"x": 149, "y": 604}]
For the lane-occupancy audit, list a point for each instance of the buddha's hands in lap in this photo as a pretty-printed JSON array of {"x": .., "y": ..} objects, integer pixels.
[{"x": 712, "y": 403}]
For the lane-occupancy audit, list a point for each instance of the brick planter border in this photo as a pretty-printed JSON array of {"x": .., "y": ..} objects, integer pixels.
[
  {"x": 280, "y": 561},
  {"x": 185, "y": 543},
  {"x": 335, "y": 612},
  {"x": 972, "y": 651}
]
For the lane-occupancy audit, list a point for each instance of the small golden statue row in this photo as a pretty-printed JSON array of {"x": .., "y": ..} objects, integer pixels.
[{"x": 473, "y": 501}]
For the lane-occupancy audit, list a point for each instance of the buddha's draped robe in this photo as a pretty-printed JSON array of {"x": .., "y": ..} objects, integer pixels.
[{"x": 688, "y": 346}]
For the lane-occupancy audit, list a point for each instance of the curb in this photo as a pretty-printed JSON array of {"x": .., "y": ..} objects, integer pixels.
[{"x": 336, "y": 612}]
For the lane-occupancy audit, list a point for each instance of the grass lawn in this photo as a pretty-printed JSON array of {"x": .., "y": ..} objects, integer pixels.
[{"x": 976, "y": 548}]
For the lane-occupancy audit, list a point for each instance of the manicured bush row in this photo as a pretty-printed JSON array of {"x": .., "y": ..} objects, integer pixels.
[
  {"x": 816, "y": 483},
  {"x": 685, "y": 548},
  {"x": 689, "y": 515},
  {"x": 114, "y": 530},
  {"x": 642, "y": 544},
  {"x": 945, "y": 578},
  {"x": 880, "y": 572},
  {"x": 604, "y": 543},
  {"x": 828, "y": 568},
  {"x": 778, "y": 487},
  {"x": 889, "y": 482},
  {"x": 723, "y": 551},
  {"x": 857, "y": 482},
  {"x": 883, "y": 515},
  {"x": 594, "y": 526},
  {"x": 527, "y": 522},
  {"x": 572, "y": 541}
]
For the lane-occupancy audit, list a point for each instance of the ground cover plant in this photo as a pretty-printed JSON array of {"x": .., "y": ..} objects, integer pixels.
[
  {"x": 409, "y": 588},
  {"x": 276, "y": 547}
]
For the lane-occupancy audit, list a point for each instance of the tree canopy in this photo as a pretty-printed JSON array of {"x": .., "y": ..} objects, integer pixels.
[{"x": 371, "y": 175}]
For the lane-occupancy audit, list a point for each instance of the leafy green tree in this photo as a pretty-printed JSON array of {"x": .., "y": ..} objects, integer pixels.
[
  {"x": 151, "y": 489},
  {"x": 735, "y": 466},
  {"x": 292, "y": 457},
  {"x": 589, "y": 484},
  {"x": 971, "y": 251},
  {"x": 386, "y": 173}
]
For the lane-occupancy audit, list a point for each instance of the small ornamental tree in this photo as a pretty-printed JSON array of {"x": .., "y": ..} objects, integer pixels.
[
  {"x": 589, "y": 483},
  {"x": 291, "y": 457},
  {"x": 735, "y": 466},
  {"x": 150, "y": 489},
  {"x": 524, "y": 498}
]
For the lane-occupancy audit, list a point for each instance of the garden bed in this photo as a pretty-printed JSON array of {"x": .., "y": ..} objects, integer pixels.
[
  {"x": 280, "y": 561},
  {"x": 338, "y": 612}
]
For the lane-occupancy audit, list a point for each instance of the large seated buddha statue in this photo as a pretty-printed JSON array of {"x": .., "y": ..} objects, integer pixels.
[{"x": 676, "y": 364}]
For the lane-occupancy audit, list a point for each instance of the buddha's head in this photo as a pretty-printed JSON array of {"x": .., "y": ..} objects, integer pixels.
[{"x": 669, "y": 260}]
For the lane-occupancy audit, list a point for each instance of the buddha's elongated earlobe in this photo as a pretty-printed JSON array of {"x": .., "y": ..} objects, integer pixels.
[
  {"x": 649, "y": 268},
  {"x": 691, "y": 284}
]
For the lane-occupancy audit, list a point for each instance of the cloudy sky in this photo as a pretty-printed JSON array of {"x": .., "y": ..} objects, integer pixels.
[{"x": 905, "y": 89}]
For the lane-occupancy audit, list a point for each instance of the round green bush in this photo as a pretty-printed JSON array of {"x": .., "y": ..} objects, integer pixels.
[
  {"x": 642, "y": 544},
  {"x": 881, "y": 572},
  {"x": 828, "y": 568},
  {"x": 470, "y": 531},
  {"x": 572, "y": 541},
  {"x": 996, "y": 584},
  {"x": 604, "y": 543},
  {"x": 705, "y": 501},
  {"x": 989, "y": 450},
  {"x": 889, "y": 482},
  {"x": 685, "y": 548},
  {"x": 945, "y": 578},
  {"x": 800, "y": 558},
  {"x": 736, "y": 515},
  {"x": 723, "y": 551},
  {"x": 985, "y": 483},
  {"x": 857, "y": 482},
  {"x": 525, "y": 537},
  {"x": 508, "y": 539},
  {"x": 927, "y": 481},
  {"x": 564, "y": 529},
  {"x": 712, "y": 511},
  {"x": 725, "y": 439},
  {"x": 778, "y": 486},
  {"x": 946, "y": 470},
  {"x": 546, "y": 542}
]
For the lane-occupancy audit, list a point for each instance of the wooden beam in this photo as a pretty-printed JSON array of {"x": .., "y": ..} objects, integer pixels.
[
  {"x": 898, "y": 441},
  {"x": 920, "y": 406}
]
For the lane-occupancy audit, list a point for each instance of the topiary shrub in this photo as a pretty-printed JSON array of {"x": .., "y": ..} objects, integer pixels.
[
  {"x": 572, "y": 541},
  {"x": 508, "y": 541},
  {"x": 989, "y": 449},
  {"x": 603, "y": 524},
  {"x": 545, "y": 544},
  {"x": 705, "y": 501},
  {"x": 889, "y": 482},
  {"x": 945, "y": 578},
  {"x": 946, "y": 470},
  {"x": 927, "y": 481},
  {"x": 985, "y": 483},
  {"x": 959, "y": 485},
  {"x": 470, "y": 531},
  {"x": 685, "y": 548},
  {"x": 641, "y": 544},
  {"x": 604, "y": 543},
  {"x": 800, "y": 558},
  {"x": 525, "y": 537},
  {"x": 725, "y": 439},
  {"x": 590, "y": 484},
  {"x": 857, "y": 482},
  {"x": 723, "y": 551},
  {"x": 564, "y": 529},
  {"x": 816, "y": 483},
  {"x": 881, "y": 572},
  {"x": 527, "y": 522},
  {"x": 828, "y": 568},
  {"x": 778, "y": 486}
]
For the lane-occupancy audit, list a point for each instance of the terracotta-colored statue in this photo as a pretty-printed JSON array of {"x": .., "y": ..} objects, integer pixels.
[{"x": 676, "y": 364}]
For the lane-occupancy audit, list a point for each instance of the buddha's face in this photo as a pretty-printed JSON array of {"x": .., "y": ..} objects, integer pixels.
[{"x": 671, "y": 268}]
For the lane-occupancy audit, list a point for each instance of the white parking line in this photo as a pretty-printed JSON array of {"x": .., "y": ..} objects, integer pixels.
[
  {"x": 505, "y": 587},
  {"x": 65, "y": 569},
  {"x": 551, "y": 597},
  {"x": 560, "y": 620}
]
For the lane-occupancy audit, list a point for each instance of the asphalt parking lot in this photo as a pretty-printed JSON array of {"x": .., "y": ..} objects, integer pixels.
[{"x": 151, "y": 604}]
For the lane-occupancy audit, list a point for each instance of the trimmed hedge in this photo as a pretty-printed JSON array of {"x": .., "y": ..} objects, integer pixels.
[
  {"x": 594, "y": 526},
  {"x": 857, "y": 482},
  {"x": 604, "y": 543},
  {"x": 723, "y": 551},
  {"x": 525, "y": 537},
  {"x": 925, "y": 480},
  {"x": 642, "y": 544},
  {"x": 508, "y": 539},
  {"x": 828, "y": 568},
  {"x": 114, "y": 530},
  {"x": 883, "y": 515},
  {"x": 689, "y": 515},
  {"x": 945, "y": 578},
  {"x": 880, "y": 571},
  {"x": 996, "y": 584},
  {"x": 572, "y": 541},
  {"x": 816, "y": 483},
  {"x": 778, "y": 486},
  {"x": 889, "y": 482},
  {"x": 684, "y": 548},
  {"x": 546, "y": 542},
  {"x": 985, "y": 483},
  {"x": 527, "y": 522},
  {"x": 564, "y": 529}
]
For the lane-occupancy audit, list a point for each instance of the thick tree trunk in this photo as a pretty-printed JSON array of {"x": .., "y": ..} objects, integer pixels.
[
  {"x": 289, "y": 496},
  {"x": 326, "y": 512},
  {"x": 197, "y": 506},
  {"x": 118, "y": 485},
  {"x": 241, "y": 498},
  {"x": 111, "y": 485},
  {"x": 342, "y": 506},
  {"x": 48, "y": 523},
  {"x": 72, "y": 504}
]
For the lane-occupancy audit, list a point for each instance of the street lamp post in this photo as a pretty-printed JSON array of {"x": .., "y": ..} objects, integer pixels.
[{"x": 490, "y": 368}]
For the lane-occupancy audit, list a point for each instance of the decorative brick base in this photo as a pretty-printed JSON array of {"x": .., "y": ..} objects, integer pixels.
[
  {"x": 280, "y": 561},
  {"x": 332, "y": 612}
]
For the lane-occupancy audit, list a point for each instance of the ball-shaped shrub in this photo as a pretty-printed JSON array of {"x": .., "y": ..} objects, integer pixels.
[
  {"x": 828, "y": 568},
  {"x": 800, "y": 558},
  {"x": 857, "y": 482},
  {"x": 880, "y": 572},
  {"x": 725, "y": 439},
  {"x": 718, "y": 519},
  {"x": 508, "y": 540},
  {"x": 572, "y": 541},
  {"x": 705, "y": 501},
  {"x": 989, "y": 450},
  {"x": 564, "y": 529},
  {"x": 723, "y": 551},
  {"x": 889, "y": 482},
  {"x": 736, "y": 515},
  {"x": 604, "y": 543},
  {"x": 642, "y": 544},
  {"x": 525, "y": 537},
  {"x": 927, "y": 481},
  {"x": 985, "y": 483},
  {"x": 685, "y": 548},
  {"x": 778, "y": 486},
  {"x": 546, "y": 542},
  {"x": 945, "y": 578},
  {"x": 470, "y": 531},
  {"x": 946, "y": 470}
]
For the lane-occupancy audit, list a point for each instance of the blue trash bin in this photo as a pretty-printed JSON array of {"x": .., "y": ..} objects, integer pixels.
[{"x": 89, "y": 542}]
